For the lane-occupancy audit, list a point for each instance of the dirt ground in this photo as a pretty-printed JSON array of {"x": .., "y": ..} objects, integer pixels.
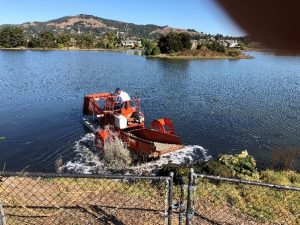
[{"x": 80, "y": 201}]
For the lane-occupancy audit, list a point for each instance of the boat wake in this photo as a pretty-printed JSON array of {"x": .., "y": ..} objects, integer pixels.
[{"x": 87, "y": 159}]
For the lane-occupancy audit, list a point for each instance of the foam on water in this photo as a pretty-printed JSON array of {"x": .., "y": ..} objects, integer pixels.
[
  {"x": 188, "y": 155},
  {"x": 88, "y": 159}
]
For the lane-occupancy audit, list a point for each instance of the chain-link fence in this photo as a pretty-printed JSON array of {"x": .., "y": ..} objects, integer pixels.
[
  {"x": 216, "y": 200},
  {"x": 33, "y": 198}
]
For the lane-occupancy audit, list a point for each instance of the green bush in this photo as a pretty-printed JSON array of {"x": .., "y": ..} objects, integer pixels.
[
  {"x": 180, "y": 171},
  {"x": 60, "y": 46},
  {"x": 63, "y": 39},
  {"x": 289, "y": 178},
  {"x": 174, "y": 42},
  {"x": 213, "y": 167},
  {"x": 84, "y": 41},
  {"x": 241, "y": 165},
  {"x": 215, "y": 46},
  {"x": 151, "y": 48},
  {"x": 44, "y": 39}
]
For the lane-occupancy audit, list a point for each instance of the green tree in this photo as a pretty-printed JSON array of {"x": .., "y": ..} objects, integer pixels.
[
  {"x": 111, "y": 37},
  {"x": 63, "y": 39},
  {"x": 151, "y": 48},
  {"x": 169, "y": 43},
  {"x": 219, "y": 37},
  {"x": 101, "y": 43},
  {"x": 174, "y": 42},
  {"x": 84, "y": 41},
  {"x": 185, "y": 41},
  {"x": 12, "y": 37},
  {"x": 45, "y": 39},
  {"x": 215, "y": 46},
  {"x": 155, "y": 51},
  {"x": 33, "y": 43},
  {"x": 143, "y": 42},
  {"x": 119, "y": 40}
]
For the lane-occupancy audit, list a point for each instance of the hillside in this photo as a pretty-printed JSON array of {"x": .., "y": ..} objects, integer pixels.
[{"x": 97, "y": 26}]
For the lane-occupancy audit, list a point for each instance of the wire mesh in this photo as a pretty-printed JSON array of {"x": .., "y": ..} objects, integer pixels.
[
  {"x": 28, "y": 199},
  {"x": 225, "y": 201}
]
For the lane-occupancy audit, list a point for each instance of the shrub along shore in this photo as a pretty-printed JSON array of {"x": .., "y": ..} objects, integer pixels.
[
  {"x": 206, "y": 54},
  {"x": 241, "y": 166},
  {"x": 264, "y": 205}
]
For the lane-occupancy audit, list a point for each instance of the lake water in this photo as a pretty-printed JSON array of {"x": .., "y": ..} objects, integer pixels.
[{"x": 225, "y": 106}]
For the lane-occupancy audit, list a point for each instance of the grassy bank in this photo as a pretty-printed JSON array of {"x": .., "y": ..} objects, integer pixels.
[
  {"x": 234, "y": 203},
  {"x": 261, "y": 205}
]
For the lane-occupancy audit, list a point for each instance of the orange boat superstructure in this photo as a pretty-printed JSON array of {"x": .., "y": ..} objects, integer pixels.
[{"x": 104, "y": 117}]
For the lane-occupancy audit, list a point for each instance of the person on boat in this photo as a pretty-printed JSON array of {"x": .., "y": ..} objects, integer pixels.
[{"x": 122, "y": 97}]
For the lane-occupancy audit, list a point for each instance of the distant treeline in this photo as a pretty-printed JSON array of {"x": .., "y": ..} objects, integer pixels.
[{"x": 13, "y": 37}]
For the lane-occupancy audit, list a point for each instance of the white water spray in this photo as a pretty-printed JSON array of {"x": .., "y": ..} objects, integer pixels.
[{"x": 88, "y": 159}]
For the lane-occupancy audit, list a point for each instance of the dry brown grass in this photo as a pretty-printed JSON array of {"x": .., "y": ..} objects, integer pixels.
[
  {"x": 201, "y": 54},
  {"x": 90, "y": 22}
]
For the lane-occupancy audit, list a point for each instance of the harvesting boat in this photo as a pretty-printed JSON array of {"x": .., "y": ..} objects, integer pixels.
[{"x": 103, "y": 116}]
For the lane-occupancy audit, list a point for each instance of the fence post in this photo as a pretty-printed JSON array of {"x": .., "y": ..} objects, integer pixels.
[
  {"x": 170, "y": 199},
  {"x": 2, "y": 216},
  {"x": 190, "y": 196},
  {"x": 181, "y": 201}
]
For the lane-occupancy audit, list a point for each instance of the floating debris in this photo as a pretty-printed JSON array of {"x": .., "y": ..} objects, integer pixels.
[{"x": 2, "y": 138}]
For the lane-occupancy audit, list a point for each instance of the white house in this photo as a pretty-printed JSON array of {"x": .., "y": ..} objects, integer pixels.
[
  {"x": 229, "y": 43},
  {"x": 131, "y": 43},
  {"x": 194, "y": 44}
]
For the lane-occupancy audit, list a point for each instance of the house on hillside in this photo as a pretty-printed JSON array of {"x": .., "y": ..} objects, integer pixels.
[
  {"x": 201, "y": 41},
  {"x": 131, "y": 43},
  {"x": 194, "y": 44},
  {"x": 229, "y": 43}
]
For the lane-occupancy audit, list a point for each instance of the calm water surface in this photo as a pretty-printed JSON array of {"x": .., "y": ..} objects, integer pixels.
[{"x": 222, "y": 105}]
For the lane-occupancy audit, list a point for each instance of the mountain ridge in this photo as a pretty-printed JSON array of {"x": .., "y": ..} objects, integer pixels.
[{"x": 95, "y": 25}]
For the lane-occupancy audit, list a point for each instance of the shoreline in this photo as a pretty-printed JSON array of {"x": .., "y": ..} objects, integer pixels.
[
  {"x": 196, "y": 54},
  {"x": 69, "y": 49},
  {"x": 208, "y": 55},
  {"x": 163, "y": 56}
]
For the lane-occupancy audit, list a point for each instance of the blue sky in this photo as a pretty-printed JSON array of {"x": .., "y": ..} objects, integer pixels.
[{"x": 202, "y": 15}]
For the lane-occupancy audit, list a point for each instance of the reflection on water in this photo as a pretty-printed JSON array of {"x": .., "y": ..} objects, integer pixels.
[
  {"x": 137, "y": 52},
  {"x": 222, "y": 105}
]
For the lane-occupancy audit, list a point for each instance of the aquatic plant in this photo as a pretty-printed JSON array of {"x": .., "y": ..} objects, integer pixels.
[
  {"x": 116, "y": 154},
  {"x": 59, "y": 164}
]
